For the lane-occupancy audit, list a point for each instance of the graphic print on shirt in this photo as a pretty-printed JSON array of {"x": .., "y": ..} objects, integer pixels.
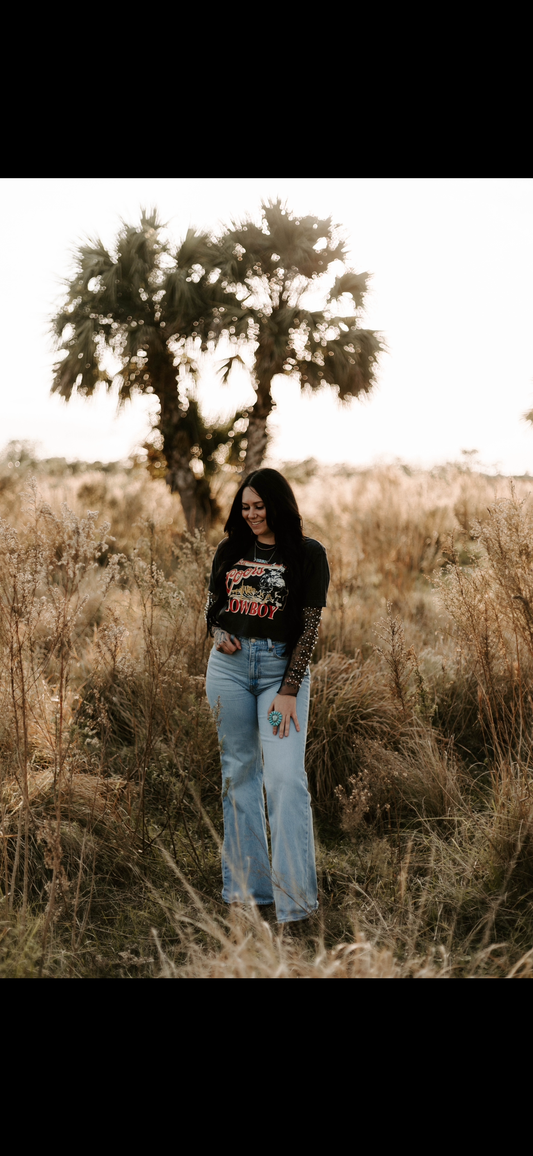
[{"x": 264, "y": 596}]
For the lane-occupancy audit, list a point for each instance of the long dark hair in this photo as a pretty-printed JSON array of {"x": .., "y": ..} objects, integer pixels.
[{"x": 283, "y": 518}]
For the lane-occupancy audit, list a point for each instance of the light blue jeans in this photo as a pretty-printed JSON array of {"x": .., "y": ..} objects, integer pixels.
[{"x": 240, "y": 688}]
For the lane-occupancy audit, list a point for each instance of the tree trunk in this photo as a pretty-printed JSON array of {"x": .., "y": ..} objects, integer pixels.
[
  {"x": 257, "y": 433},
  {"x": 194, "y": 492}
]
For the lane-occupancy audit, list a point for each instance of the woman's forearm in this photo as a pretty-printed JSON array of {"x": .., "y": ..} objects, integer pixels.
[
  {"x": 210, "y": 599},
  {"x": 302, "y": 652}
]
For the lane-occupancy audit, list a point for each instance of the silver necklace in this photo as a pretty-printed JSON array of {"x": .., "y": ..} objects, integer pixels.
[{"x": 265, "y": 560}]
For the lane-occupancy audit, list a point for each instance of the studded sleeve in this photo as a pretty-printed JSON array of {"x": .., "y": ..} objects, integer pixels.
[
  {"x": 210, "y": 599},
  {"x": 302, "y": 652}
]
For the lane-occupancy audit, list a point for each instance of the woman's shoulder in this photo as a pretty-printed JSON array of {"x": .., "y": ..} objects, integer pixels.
[
  {"x": 218, "y": 552},
  {"x": 224, "y": 542},
  {"x": 311, "y": 546},
  {"x": 316, "y": 573},
  {"x": 315, "y": 559}
]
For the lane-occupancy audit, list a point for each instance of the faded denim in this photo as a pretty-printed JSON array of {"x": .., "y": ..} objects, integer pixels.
[{"x": 240, "y": 688}]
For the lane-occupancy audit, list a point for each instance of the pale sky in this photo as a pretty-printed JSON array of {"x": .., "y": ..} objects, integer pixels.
[{"x": 451, "y": 292}]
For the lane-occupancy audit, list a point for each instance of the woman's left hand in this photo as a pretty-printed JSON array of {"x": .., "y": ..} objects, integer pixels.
[{"x": 286, "y": 704}]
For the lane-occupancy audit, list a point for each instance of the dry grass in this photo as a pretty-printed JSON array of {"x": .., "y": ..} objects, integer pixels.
[{"x": 419, "y": 753}]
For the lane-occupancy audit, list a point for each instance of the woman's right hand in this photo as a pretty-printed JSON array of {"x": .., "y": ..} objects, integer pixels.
[{"x": 227, "y": 643}]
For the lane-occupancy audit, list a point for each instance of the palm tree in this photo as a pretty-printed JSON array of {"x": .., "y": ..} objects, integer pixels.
[
  {"x": 155, "y": 310},
  {"x": 267, "y": 269}
]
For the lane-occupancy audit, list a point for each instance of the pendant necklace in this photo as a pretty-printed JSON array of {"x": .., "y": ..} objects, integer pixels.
[{"x": 265, "y": 561}]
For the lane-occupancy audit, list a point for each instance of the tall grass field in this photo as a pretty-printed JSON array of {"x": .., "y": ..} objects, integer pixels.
[{"x": 420, "y": 752}]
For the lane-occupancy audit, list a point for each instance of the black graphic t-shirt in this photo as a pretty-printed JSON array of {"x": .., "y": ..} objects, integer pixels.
[{"x": 257, "y": 590}]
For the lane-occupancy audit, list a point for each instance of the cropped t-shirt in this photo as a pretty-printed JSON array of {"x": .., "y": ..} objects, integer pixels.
[{"x": 257, "y": 590}]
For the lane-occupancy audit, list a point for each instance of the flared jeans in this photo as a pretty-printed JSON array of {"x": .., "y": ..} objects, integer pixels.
[{"x": 240, "y": 689}]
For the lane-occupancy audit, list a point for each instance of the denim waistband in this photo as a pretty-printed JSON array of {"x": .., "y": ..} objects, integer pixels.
[{"x": 260, "y": 643}]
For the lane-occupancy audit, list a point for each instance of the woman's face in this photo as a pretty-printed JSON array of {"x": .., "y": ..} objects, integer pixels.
[{"x": 253, "y": 512}]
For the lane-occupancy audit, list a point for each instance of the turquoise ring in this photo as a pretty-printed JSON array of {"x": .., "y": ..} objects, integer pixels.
[{"x": 275, "y": 718}]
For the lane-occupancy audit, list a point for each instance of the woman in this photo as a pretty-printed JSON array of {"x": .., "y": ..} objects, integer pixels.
[{"x": 268, "y": 585}]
